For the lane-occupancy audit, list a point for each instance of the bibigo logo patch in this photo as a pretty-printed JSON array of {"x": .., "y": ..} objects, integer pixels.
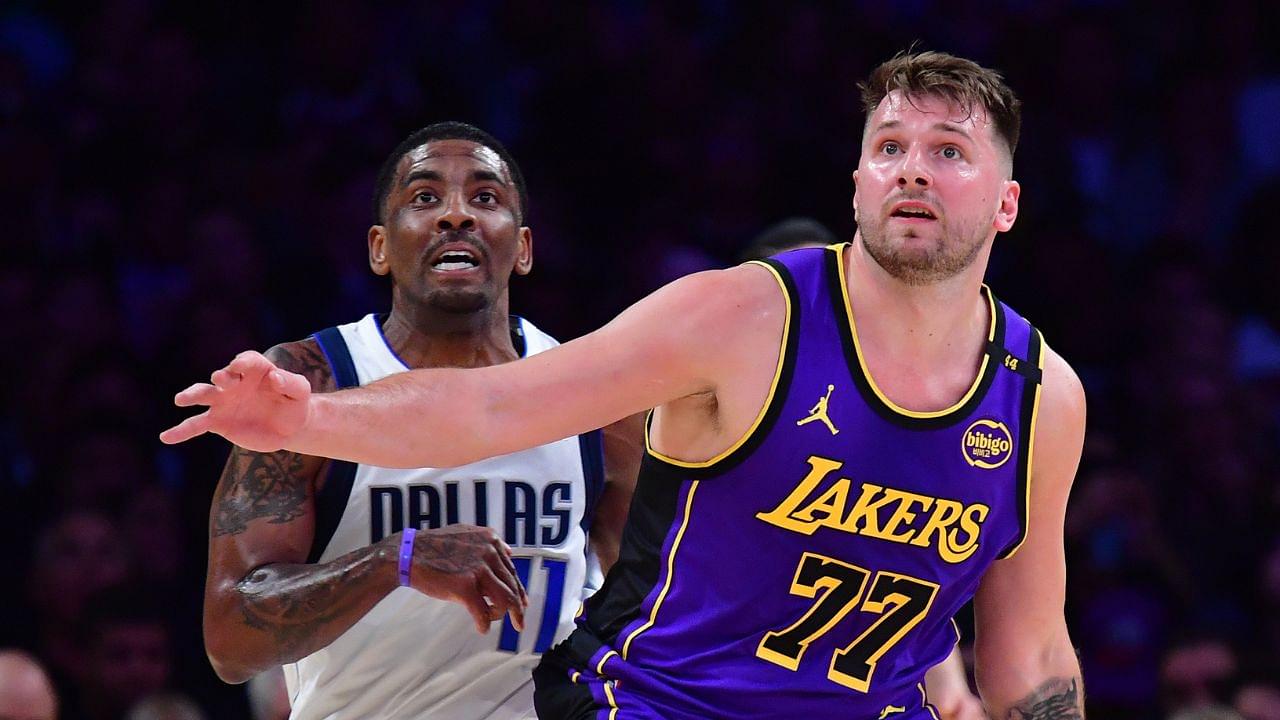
[{"x": 987, "y": 444}]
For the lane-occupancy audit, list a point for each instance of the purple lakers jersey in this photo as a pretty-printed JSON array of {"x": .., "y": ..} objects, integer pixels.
[{"x": 813, "y": 569}]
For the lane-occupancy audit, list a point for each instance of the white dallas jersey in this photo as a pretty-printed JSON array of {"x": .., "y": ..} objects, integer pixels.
[{"x": 413, "y": 656}]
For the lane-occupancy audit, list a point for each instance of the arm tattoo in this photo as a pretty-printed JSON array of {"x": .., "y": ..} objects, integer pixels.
[
  {"x": 274, "y": 485},
  {"x": 293, "y": 602},
  {"x": 263, "y": 486},
  {"x": 1057, "y": 699}
]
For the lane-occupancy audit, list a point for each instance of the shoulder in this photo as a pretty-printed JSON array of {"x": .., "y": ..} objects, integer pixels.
[
  {"x": 1060, "y": 425},
  {"x": 305, "y": 358},
  {"x": 1062, "y": 397},
  {"x": 744, "y": 292}
]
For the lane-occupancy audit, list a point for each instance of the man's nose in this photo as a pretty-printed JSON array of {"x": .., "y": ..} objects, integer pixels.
[
  {"x": 457, "y": 214},
  {"x": 913, "y": 172}
]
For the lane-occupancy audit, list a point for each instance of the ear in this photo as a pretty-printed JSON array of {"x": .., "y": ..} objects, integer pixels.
[
  {"x": 378, "y": 250},
  {"x": 855, "y": 196},
  {"x": 1007, "y": 213},
  {"x": 524, "y": 252}
]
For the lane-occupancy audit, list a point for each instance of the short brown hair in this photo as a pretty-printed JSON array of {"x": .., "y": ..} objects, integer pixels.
[{"x": 959, "y": 81}]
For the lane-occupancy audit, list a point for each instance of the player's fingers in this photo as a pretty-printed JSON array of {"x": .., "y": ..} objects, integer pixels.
[
  {"x": 504, "y": 551},
  {"x": 504, "y": 596},
  {"x": 250, "y": 363},
  {"x": 187, "y": 429},
  {"x": 224, "y": 378},
  {"x": 198, "y": 394},
  {"x": 247, "y": 359},
  {"x": 291, "y": 385},
  {"x": 506, "y": 572},
  {"x": 479, "y": 610}
]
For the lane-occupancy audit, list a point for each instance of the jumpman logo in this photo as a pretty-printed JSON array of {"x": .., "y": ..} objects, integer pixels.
[
  {"x": 819, "y": 412},
  {"x": 891, "y": 710}
]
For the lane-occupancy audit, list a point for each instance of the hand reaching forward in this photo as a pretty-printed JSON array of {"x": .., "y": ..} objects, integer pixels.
[
  {"x": 251, "y": 402},
  {"x": 471, "y": 566}
]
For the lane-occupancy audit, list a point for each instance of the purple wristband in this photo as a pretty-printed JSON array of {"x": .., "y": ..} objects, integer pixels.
[{"x": 406, "y": 555}]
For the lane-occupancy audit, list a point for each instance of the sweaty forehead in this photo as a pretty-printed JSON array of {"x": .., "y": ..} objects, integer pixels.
[
  {"x": 927, "y": 109},
  {"x": 436, "y": 152}
]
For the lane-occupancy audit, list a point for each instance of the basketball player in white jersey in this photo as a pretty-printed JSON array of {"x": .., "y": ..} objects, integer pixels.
[{"x": 382, "y": 591}]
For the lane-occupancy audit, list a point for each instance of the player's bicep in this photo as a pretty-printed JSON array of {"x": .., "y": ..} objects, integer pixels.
[
  {"x": 263, "y": 511},
  {"x": 675, "y": 343}
]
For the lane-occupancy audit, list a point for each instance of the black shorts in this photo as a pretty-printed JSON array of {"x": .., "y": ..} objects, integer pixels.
[{"x": 555, "y": 695}]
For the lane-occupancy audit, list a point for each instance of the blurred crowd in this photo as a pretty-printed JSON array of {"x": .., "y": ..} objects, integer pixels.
[{"x": 179, "y": 183}]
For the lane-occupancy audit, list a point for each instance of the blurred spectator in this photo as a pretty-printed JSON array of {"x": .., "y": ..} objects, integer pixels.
[
  {"x": 76, "y": 556},
  {"x": 795, "y": 232},
  {"x": 1208, "y": 712},
  {"x": 128, "y": 659},
  {"x": 1259, "y": 701},
  {"x": 166, "y": 706},
  {"x": 25, "y": 690},
  {"x": 1198, "y": 674}
]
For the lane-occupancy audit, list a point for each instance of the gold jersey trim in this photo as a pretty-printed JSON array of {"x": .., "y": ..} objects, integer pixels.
[{"x": 671, "y": 567}]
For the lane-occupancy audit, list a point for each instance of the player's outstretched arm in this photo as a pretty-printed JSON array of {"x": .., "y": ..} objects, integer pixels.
[
  {"x": 667, "y": 346},
  {"x": 1026, "y": 665},
  {"x": 264, "y": 605}
]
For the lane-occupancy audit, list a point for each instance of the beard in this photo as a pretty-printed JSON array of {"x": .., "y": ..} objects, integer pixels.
[{"x": 940, "y": 259}]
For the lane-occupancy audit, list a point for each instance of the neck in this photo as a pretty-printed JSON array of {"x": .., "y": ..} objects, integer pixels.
[
  {"x": 424, "y": 337},
  {"x": 929, "y": 325}
]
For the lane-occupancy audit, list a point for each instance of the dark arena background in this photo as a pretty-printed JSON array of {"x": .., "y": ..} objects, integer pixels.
[{"x": 180, "y": 183}]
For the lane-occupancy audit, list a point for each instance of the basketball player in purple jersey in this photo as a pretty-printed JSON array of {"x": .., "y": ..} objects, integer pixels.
[{"x": 848, "y": 443}]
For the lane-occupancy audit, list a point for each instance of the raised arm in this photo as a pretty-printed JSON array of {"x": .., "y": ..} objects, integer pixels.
[
  {"x": 670, "y": 345},
  {"x": 1026, "y": 665},
  {"x": 264, "y": 605}
]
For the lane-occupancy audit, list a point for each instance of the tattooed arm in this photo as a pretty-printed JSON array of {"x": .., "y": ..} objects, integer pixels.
[
  {"x": 1026, "y": 665},
  {"x": 265, "y": 606}
]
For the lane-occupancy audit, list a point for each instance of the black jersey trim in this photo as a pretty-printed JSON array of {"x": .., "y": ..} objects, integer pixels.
[
  {"x": 840, "y": 305},
  {"x": 591, "y": 448},
  {"x": 777, "y": 397},
  {"x": 1027, "y": 432},
  {"x": 654, "y": 512},
  {"x": 331, "y": 500}
]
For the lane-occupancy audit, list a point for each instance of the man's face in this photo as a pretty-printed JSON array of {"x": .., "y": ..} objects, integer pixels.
[
  {"x": 452, "y": 235},
  {"x": 932, "y": 187},
  {"x": 131, "y": 661}
]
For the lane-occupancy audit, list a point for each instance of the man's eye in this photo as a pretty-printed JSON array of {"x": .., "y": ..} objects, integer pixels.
[
  {"x": 951, "y": 152},
  {"x": 486, "y": 197},
  {"x": 425, "y": 197},
  {"x": 891, "y": 148}
]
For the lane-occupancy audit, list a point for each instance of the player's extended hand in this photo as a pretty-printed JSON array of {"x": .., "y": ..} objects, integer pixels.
[
  {"x": 251, "y": 402},
  {"x": 471, "y": 566}
]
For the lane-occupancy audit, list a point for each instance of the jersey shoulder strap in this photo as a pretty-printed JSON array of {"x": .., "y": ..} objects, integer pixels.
[{"x": 331, "y": 501}]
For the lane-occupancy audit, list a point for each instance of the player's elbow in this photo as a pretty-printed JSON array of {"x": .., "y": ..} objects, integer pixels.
[
  {"x": 228, "y": 652},
  {"x": 1009, "y": 670},
  {"x": 228, "y": 664},
  {"x": 229, "y": 672}
]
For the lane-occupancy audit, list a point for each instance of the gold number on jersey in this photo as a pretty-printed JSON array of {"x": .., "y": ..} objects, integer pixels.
[{"x": 901, "y": 602}]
